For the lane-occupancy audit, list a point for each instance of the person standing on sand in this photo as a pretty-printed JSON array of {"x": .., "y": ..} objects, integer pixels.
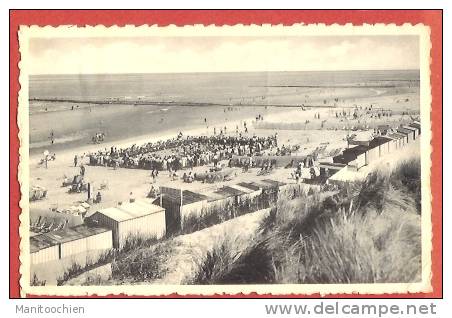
[
  {"x": 52, "y": 137},
  {"x": 75, "y": 160},
  {"x": 98, "y": 197}
]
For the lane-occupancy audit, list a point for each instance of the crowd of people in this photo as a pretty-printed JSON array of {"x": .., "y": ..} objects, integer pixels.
[{"x": 182, "y": 152}]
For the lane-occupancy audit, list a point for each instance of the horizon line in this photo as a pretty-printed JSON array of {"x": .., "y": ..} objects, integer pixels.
[{"x": 214, "y": 72}]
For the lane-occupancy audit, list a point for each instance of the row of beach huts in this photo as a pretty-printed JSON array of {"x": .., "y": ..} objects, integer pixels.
[
  {"x": 164, "y": 216},
  {"x": 361, "y": 153}
]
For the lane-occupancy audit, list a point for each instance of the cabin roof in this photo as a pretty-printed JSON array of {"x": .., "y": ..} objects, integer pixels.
[
  {"x": 377, "y": 141},
  {"x": 130, "y": 210},
  {"x": 356, "y": 151},
  {"x": 229, "y": 191},
  {"x": 249, "y": 186},
  {"x": 188, "y": 197},
  {"x": 415, "y": 125},
  {"x": 45, "y": 240},
  {"x": 332, "y": 165},
  {"x": 404, "y": 131},
  {"x": 274, "y": 182},
  {"x": 396, "y": 136}
]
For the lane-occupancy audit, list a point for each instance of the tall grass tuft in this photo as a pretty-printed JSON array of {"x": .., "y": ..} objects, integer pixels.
[
  {"x": 35, "y": 281},
  {"x": 142, "y": 264},
  {"x": 408, "y": 175},
  {"x": 223, "y": 264},
  {"x": 367, "y": 232}
]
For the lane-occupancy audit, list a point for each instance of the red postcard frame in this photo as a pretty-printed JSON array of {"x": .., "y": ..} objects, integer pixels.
[{"x": 432, "y": 18}]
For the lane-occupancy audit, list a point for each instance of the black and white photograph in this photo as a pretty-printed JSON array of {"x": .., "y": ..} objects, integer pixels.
[{"x": 202, "y": 160}]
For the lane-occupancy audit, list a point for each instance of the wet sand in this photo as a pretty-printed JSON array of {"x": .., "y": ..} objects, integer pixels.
[{"x": 74, "y": 128}]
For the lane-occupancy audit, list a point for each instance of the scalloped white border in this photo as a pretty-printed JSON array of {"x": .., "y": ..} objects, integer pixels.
[{"x": 68, "y": 31}]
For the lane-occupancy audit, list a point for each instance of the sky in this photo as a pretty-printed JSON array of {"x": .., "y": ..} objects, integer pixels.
[{"x": 221, "y": 54}]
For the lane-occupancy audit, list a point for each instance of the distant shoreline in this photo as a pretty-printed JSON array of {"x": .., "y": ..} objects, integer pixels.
[
  {"x": 160, "y": 103},
  {"x": 326, "y": 86}
]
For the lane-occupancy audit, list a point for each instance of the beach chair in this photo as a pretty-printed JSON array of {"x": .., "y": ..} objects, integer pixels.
[
  {"x": 42, "y": 226},
  {"x": 103, "y": 185},
  {"x": 38, "y": 221},
  {"x": 59, "y": 227},
  {"x": 66, "y": 181},
  {"x": 48, "y": 227}
]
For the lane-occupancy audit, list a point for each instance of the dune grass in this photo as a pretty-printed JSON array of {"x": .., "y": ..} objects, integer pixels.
[
  {"x": 142, "y": 264},
  {"x": 35, "y": 281},
  {"x": 223, "y": 264},
  {"x": 133, "y": 251},
  {"x": 368, "y": 232}
]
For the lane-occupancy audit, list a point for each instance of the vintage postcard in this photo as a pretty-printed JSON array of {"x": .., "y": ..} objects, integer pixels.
[{"x": 204, "y": 160}]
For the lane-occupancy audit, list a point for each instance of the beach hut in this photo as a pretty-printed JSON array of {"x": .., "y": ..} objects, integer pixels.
[
  {"x": 383, "y": 129},
  {"x": 373, "y": 152},
  {"x": 409, "y": 134},
  {"x": 328, "y": 169},
  {"x": 342, "y": 159},
  {"x": 355, "y": 157},
  {"x": 255, "y": 190},
  {"x": 179, "y": 205},
  {"x": 138, "y": 218},
  {"x": 43, "y": 249},
  {"x": 417, "y": 125},
  {"x": 232, "y": 192},
  {"x": 269, "y": 192},
  {"x": 217, "y": 201},
  {"x": 69, "y": 242},
  {"x": 278, "y": 186},
  {"x": 345, "y": 175},
  {"x": 414, "y": 131},
  {"x": 247, "y": 193},
  {"x": 399, "y": 140},
  {"x": 379, "y": 146},
  {"x": 275, "y": 183},
  {"x": 392, "y": 143}
]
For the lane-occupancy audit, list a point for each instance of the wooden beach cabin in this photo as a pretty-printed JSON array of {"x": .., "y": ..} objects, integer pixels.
[
  {"x": 138, "y": 218},
  {"x": 379, "y": 146},
  {"x": 269, "y": 189},
  {"x": 218, "y": 201},
  {"x": 231, "y": 192},
  {"x": 69, "y": 242},
  {"x": 355, "y": 158},
  {"x": 413, "y": 130},
  {"x": 180, "y": 204},
  {"x": 407, "y": 132},
  {"x": 255, "y": 190},
  {"x": 399, "y": 140},
  {"x": 383, "y": 129},
  {"x": 328, "y": 169},
  {"x": 417, "y": 125}
]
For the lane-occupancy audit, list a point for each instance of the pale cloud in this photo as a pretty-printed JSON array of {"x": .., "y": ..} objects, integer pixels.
[{"x": 221, "y": 54}]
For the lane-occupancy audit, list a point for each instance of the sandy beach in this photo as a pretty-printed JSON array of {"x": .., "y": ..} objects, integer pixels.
[{"x": 126, "y": 124}]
